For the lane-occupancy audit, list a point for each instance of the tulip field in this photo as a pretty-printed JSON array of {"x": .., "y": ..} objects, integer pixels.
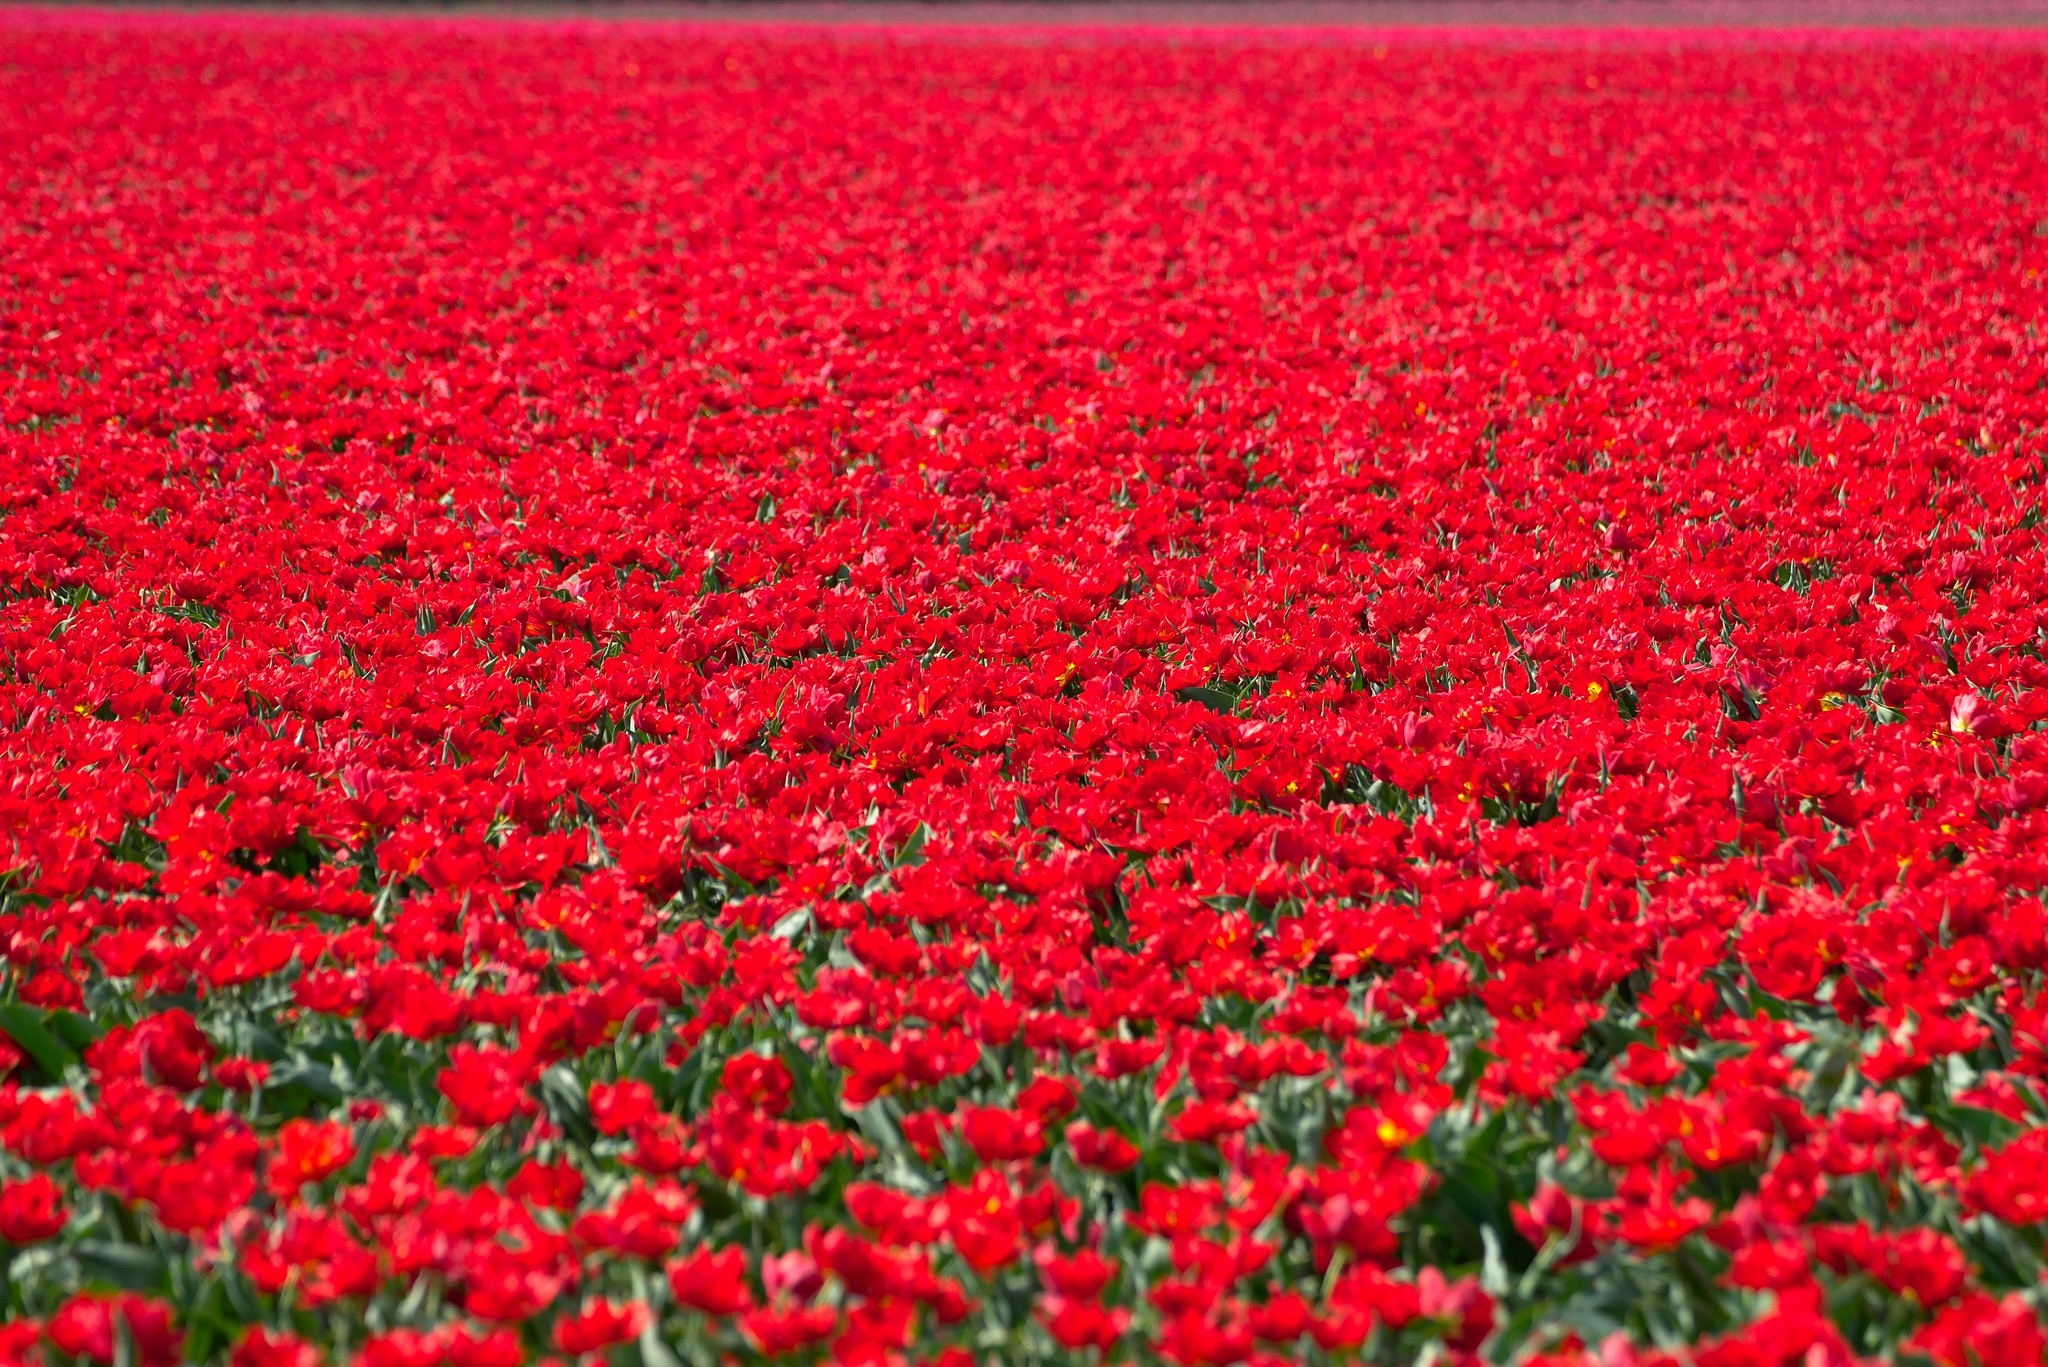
[{"x": 687, "y": 695}]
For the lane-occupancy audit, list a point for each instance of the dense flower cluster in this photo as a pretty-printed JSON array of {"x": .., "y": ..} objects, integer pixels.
[{"x": 738, "y": 695}]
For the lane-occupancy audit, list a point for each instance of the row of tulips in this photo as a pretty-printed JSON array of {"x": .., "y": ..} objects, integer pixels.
[{"x": 776, "y": 695}]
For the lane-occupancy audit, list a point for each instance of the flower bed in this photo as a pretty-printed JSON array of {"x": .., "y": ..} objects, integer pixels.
[{"x": 700, "y": 695}]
